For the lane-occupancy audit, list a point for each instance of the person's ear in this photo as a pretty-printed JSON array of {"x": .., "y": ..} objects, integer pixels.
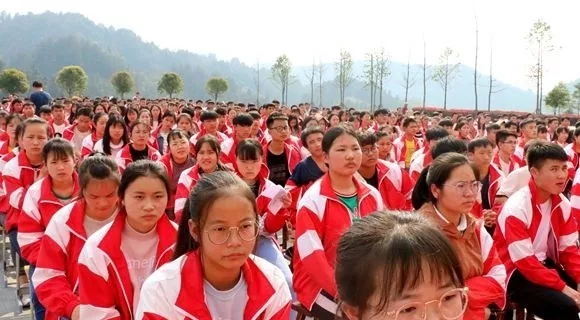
[
  {"x": 534, "y": 172},
  {"x": 435, "y": 191},
  {"x": 351, "y": 312},
  {"x": 193, "y": 230}
]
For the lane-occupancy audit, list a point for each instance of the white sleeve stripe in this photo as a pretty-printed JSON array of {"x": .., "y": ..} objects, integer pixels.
[
  {"x": 486, "y": 242},
  {"x": 575, "y": 201},
  {"x": 91, "y": 312},
  {"x": 498, "y": 273},
  {"x": 568, "y": 240},
  {"x": 44, "y": 274},
  {"x": 521, "y": 249},
  {"x": 307, "y": 243},
  {"x": 15, "y": 197},
  {"x": 26, "y": 238},
  {"x": 180, "y": 204}
]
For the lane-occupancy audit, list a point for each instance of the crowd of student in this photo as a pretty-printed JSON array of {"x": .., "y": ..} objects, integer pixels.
[{"x": 171, "y": 209}]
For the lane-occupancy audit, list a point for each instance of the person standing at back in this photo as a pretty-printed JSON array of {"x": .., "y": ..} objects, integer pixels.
[{"x": 39, "y": 97}]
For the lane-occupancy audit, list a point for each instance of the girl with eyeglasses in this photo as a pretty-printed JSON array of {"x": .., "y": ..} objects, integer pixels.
[
  {"x": 214, "y": 274},
  {"x": 117, "y": 259},
  {"x": 445, "y": 193},
  {"x": 398, "y": 266}
]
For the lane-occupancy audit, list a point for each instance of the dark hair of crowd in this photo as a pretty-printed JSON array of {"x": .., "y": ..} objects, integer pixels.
[
  {"x": 100, "y": 167},
  {"x": 538, "y": 154},
  {"x": 478, "y": 143},
  {"x": 436, "y": 133}
]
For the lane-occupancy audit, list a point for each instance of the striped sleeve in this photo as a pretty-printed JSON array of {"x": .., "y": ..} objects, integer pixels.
[
  {"x": 87, "y": 147},
  {"x": 309, "y": 244},
  {"x": 567, "y": 243},
  {"x": 30, "y": 228},
  {"x": 520, "y": 250},
  {"x": 154, "y": 303},
  {"x": 575, "y": 199},
  {"x": 50, "y": 279},
  {"x": 182, "y": 193},
  {"x": 97, "y": 297}
]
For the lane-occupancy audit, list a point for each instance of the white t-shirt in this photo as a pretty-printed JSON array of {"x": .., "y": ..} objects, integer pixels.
[
  {"x": 115, "y": 148},
  {"x": 78, "y": 138},
  {"x": 504, "y": 166},
  {"x": 227, "y": 305},
  {"x": 139, "y": 250},
  {"x": 91, "y": 225},
  {"x": 541, "y": 240},
  {"x": 59, "y": 128}
]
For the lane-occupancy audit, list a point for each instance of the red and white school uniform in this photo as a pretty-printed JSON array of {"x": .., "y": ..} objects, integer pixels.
[
  {"x": 4, "y": 205},
  {"x": 575, "y": 199},
  {"x": 176, "y": 291},
  {"x": 89, "y": 145},
  {"x": 401, "y": 149},
  {"x": 4, "y": 147},
  {"x": 124, "y": 158},
  {"x": 57, "y": 129},
  {"x": 18, "y": 176},
  {"x": 321, "y": 219},
  {"x": 106, "y": 290},
  {"x": 193, "y": 140},
  {"x": 395, "y": 186},
  {"x": 506, "y": 168},
  {"x": 519, "y": 153},
  {"x": 292, "y": 156},
  {"x": 187, "y": 182},
  {"x": 69, "y": 132},
  {"x": 521, "y": 222},
  {"x": 168, "y": 164},
  {"x": 228, "y": 151},
  {"x": 496, "y": 177},
  {"x": 40, "y": 204},
  {"x": 418, "y": 164},
  {"x": 572, "y": 160},
  {"x": 56, "y": 275}
]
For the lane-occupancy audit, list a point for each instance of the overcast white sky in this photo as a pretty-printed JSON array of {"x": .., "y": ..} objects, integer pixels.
[{"x": 317, "y": 29}]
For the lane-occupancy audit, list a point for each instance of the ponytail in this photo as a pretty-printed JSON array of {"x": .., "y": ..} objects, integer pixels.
[{"x": 421, "y": 192}]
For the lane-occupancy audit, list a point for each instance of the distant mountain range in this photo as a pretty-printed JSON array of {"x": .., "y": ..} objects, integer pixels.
[{"x": 41, "y": 44}]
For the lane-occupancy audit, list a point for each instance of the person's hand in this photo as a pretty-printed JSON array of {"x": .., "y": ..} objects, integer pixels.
[
  {"x": 489, "y": 218},
  {"x": 573, "y": 294},
  {"x": 76, "y": 313},
  {"x": 287, "y": 201}
]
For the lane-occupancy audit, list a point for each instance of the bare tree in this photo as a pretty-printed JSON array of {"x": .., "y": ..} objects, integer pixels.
[
  {"x": 540, "y": 38},
  {"x": 344, "y": 73},
  {"x": 446, "y": 71},
  {"x": 311, "y": 76},
  {"x": 383, "y": 72},
  {"x": 320, "y": 69},
  {"x": 281, "y": 70},
  {"x": 475, "y": 68},
  {"x": 257, "y": 81},
  {"x": 408, "y": 79},
  {"x": 369, "y": 77}
]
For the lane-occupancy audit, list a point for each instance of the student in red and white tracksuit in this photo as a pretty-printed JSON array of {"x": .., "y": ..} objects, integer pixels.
[
  {"x": 99, "y": 123},
  {"x": 392, "y": 181},
  {"x": 572, "y": 151},
  {"x": 56, "y": 274},
  {"x": 138, "y": 147},
  {"x": 242, "y": 125},
  {"x": 214, "y": 274},
  {"x": 422, "y": 158},
  {"x": 407, "y": 139},
  {"x": 325, "y": 211},
  {"x": 209, "y": 120},
  {"x": 207, "y": 150},
  {"x": 177, "y": 160},
  {"x": 80, "y": 129},
  {"x": 537, "y": 238},
  {"x": 117, "y": 259},
  {"x": 46, "y": 196}
]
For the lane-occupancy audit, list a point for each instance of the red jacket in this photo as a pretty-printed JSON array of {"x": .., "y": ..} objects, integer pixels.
[
  {"x": 18, "y": 176},
  {"x": 418, "y": 164},
  {"x": 572, "y": 160},
  {"x": 395, "y": 186},
  {"x": 292, "y": 156},
  {"x": 321, "y": 219},
  {"x": 401, "y": 149},
  {"x": 4, "y": 205},
  {"x": 88, "y": 145},
  {"x": 175, "y": 291},
  {"x": 187, "y": 182},
  {"x": 168, "y": 164},
  {"x": 193, "y": 140},
  {"x": 69, "y": 132},
  {"x": 228, "y": 151},
  {"x": 514, "y": 162},
  {"x": 40, "y": 204},
  {"x": 575, "y": 199},
  {"x": 518, "y": 225},
  {"x": 106, "y": 291},
  {"x": 123, "y": 158},
  {"x": 519, "y": 153},
  {"x": 56, "y": 275},
  {"x": 496, "y": 178}
]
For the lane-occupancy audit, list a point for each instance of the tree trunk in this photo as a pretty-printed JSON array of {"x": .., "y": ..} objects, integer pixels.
[
  {"x": 215, "y": 97},
  {"x": 538, "y": 111},
  {"x": 407, "y": 80},
  {"x": 490, "y": 79},
  {"x": 372, "y": 76},
  {"x": 475, "y": 71},
  {"x": 424, "y": 74}
]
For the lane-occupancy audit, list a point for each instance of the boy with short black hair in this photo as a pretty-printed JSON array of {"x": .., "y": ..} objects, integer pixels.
[
  {"x": 529, "y": 130},
  {"x": 407, "y": 143},
  {"x": 209, "y": 121},
  {"x": 536, "y": 239},
  {"x": 79, "y": 130},
  {"x": 58, "y": 123},
  {"x": 280, "y": 157},
  {"x": 242, "y": 128},
  {"x": 504, "y": 158}
]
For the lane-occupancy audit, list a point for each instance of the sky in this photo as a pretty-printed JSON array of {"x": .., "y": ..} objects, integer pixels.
[{"x": 316, "y": 30}]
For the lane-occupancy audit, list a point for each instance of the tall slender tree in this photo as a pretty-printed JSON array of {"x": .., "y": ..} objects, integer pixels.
[
  {"x": 540, "y": 39},
  {"x": 446, "y": 71},
  {"x": 344, "y": 73},
  {"x": 475, "y": 67},
  {"x": 281, "y": 75}
]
